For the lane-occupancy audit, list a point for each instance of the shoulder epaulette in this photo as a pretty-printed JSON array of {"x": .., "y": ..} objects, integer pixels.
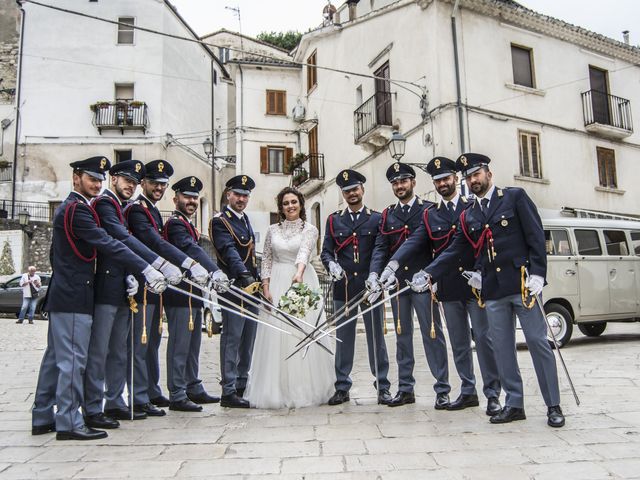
[
  {"x": 464, "y": 199},
  {"x": 420, "y": 202},
  {"x": 500, "y": 192},
  {"x": 368, "y": 210},
  {"x": 217, "y": 214}
]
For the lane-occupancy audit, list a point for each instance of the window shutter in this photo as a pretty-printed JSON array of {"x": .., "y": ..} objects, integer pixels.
[
  {"x": 281, "y": 106},
  {"x": 288, "y": 155},
  {"x": 270, "y": 102},
  {"x": 264, "y": 164}
]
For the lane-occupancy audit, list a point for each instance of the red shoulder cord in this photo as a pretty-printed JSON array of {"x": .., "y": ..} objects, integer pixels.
[
  {"x": 404, "y": 231},
  {"x": 145, "y": 209},
  {"x": 115, "y": 204},
  {"x": 190, "y": 228},
  {"x": 353, "y": 239},
  {"x": 486, "y": 235},
  {"x": 446, "y": 237},
  {"x": 69, "y": 212}
]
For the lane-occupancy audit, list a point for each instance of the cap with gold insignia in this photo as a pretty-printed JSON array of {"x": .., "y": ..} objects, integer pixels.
[
  {"x": 348, "y": 179},
  {"x": 94, "y": 166},
  {"x": 158, "y": 171},
  {"x": 241, "y": 184},
  {"x": 133, "y": 169},
  {"x": 469, "y": 163},
  {"x": 189, "y": 186},
  {"x": 441, "y": 167},
  {"x": 398, "y": 171}
]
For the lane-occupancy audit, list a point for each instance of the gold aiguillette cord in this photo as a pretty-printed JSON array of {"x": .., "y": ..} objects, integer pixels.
[
  {"x": 398, "y": 326},
  {"x": 432, "y": 332},
  {"x": 191, "y": 326},
  {"x": 143, "y": 340}
]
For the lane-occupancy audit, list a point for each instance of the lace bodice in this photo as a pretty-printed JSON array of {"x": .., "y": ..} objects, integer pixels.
[{"x": 288, "y": 242}]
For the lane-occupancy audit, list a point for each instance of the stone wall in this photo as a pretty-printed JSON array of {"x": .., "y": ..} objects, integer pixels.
[{"x": 9, "y": 21}]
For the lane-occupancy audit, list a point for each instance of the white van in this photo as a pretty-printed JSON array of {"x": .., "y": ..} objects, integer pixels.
[{"x": 593, "y": 274}]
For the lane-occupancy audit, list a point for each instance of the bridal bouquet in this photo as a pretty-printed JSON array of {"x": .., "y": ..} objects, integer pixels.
[{"x": 299, "y": 300}]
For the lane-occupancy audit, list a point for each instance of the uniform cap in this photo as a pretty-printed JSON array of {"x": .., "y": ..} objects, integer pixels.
[
  {"x": 348, "y": 179},
  {"x": 468, "y": 163},
  {"x": 441, "y": 167},
  {"x": 241, "y": 184},
  {"x": 190, "y": 186},
  {"x": 94, "y": 166},
  {"x": 398, "y": 171},
  {"x": 133, "y": 169},
  {"x": 158, "y": 171}
]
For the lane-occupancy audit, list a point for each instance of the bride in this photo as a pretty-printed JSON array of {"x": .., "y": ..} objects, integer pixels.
[{"x": 302, "y": 380}]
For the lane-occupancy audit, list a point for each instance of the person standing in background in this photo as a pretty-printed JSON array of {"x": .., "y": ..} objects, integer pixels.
[{"x": 30, "y": 283}]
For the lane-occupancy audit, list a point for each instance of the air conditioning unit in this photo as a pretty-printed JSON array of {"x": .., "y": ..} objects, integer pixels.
[{"x": 298, "y": 112}]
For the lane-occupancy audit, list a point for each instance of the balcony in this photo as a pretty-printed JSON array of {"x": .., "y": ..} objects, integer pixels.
[
  {"x": 607, "y": 115},
  {"x": 308, "y": 174},
  {"x": 120, "y": 115},
  {"x": 372, "y": 120}
]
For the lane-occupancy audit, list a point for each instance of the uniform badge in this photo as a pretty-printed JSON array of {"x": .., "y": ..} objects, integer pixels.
[
  {"x": 504, "y": 222},
  {"x": 396, "y": 167},
  {"x": 160, "y": 167},
  {"x": 103, "y": 163},
  {"x": 345, "y": 175},
  {"x": 193, "y": 181},
  {"x": 244, "y": 180},
  {"x": 464, "y": 160},
  {"x": 138, "y": 167},
  {"x": 437, "y": 163}
]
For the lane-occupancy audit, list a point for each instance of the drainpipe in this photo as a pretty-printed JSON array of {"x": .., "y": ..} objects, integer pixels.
[
  {"x": 17, "y": 132},
  {"x": 456, "y": 61},
  {"x": 213, "y": 140}
]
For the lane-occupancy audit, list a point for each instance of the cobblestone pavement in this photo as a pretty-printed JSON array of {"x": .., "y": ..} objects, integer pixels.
[{"x": 359, "y": 440}]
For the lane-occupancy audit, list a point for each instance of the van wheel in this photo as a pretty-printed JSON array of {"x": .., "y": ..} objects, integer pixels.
[
  {"x": 561, "y": 323},
  {"x": 592, "y": 329},
  {"x": 208, "y": 317}
]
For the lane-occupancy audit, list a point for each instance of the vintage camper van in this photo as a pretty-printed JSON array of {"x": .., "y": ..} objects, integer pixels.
[{"x": 593, "y": 274}]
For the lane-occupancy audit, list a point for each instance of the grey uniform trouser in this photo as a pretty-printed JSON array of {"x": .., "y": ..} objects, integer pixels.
[
  {"x": 460, "y": 338},
  {"x": 502, "y": 316},
  {"x": 236, "y": 348},
  {"x": 60, "y": 381},
  {"x": 140, "y": 373},
  {"x": 153, "y": 355},
  {"x": 183, "y": 352},
  {"x": 435, "y": 349},
  {"x": 346, "y": 347},
  {"x": 107, "y": 357}
]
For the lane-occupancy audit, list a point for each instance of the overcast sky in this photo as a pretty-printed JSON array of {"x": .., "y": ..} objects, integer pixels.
[{"x": 609, "y": 17}]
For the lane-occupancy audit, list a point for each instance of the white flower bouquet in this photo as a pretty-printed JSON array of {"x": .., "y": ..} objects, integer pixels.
[{"x": 299, "y": 300}]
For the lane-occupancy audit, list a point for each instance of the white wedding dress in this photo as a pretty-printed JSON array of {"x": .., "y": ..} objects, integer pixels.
[{"x": 303, "y": 380}]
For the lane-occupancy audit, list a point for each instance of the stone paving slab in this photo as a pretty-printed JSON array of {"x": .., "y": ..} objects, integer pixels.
[{"x": 359, "y": 440}]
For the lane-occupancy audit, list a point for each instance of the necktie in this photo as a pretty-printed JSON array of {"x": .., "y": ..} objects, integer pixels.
[
  {"x": 450, "y": 207},
  {"x": 354, "y": 216},
  {"x": 244, "y": 220},
  {"x": 405, "y": 209},
  {"x": 485, "y": 205}
]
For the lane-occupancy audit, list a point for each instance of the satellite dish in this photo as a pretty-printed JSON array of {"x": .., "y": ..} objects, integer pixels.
[{"x": 298, "y": 112}]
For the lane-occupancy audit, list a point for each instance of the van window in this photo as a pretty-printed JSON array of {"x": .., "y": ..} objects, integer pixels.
[
  {"x": 616, "y": 242},
  {"x": 588, "y": 242},
  {"x": 557, "y": 242},
  {"x": 635, "y": 242}
]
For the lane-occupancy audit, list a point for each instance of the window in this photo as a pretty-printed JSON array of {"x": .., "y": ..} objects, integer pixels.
[
  {"x": 522, "y": 61},
  {"x": 275, "y": 159},
  {"x": 557, "y": 242},
  {"x": 530, "y": 154},
  {"x": 124, "y": 91},
  {"x": 635, "y": 242},
  {"x": 122, "y": 155},
  {"x": 616, "y": 242},
  {"x": 312, "y": 72},
  {"x": 588, "y": 242},
  {"x": 125, "y": 32},
  {"x": 276, "y": 102},
  {"x": 607, "y": 167}
]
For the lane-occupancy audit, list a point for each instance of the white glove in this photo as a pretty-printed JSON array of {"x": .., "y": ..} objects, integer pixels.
[
  {"x": 171, "y": 273},
  {"x": 373, "y": 296},
  {"x": 132, "y": 285},
  {"x": 199, "y": 274},
  {"x": 335, "y": 271},
  {"x": 420, "y": 281},
  {"x": 475, "y": 280},
  {"x": 535, "y": 284},
  {"x": 388, "y": 277},
  {"x": 155, "y": 280},
  {"x": 372, "y": 283},
  {"x": 220, "y": 281}
]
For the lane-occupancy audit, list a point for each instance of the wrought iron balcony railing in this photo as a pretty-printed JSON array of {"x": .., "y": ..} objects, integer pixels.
[
  {"x": 374, "y": 112},
  {"x": 120, "y": 115},
  {"x": 311, "y": 168},
  {"x": 604, "y": 109}
]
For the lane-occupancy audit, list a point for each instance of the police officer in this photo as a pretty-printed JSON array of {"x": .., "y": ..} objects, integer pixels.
[
  {"x": 435, "y": 233},
  {"x": 350, "y": 236},
  {"x": 76, "y": 240},
  {"x": 184, "y": 314},
  {"x": 234, "y": 241},
  {"x": 146, "y": 225},
  {"x": 398, "y": 222},
  {"x": 504, "y": 231}
]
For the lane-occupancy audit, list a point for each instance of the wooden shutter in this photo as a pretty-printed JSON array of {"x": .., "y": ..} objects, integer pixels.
[
  {"x": 270, "y": 102},
  {"x": 281, "y": 102},
  {"x": 288, "y": 155},
  {"x": 264, "y": 162}
]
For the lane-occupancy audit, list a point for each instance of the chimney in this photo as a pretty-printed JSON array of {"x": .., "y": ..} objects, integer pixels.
[
  {"x": 625, "y": 36},
  {"x": 352, "y": 4}
]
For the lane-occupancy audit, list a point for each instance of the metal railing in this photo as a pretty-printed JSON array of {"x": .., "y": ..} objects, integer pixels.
[
  {"x": 39, "y": 211},
  {"x": 120, "y": 115},
  {"x": 311, "y": 168},
  {"x": 372, "y": 113},
  {"x": 600, "y": 107}
]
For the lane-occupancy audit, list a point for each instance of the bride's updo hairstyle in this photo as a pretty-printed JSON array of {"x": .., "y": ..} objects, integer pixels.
[{"x": 280, "y": 198}]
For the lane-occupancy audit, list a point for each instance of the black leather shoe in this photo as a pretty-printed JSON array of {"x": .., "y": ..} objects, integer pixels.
[
  {"x": 341, "y": 396},
  {"x": 19, "y": 321},
  {"x": 233, "y": 401},
  {"x": 30, "y": 322},
  {"x": 82, "y": 433},
  {"x": 463, "y": 401},
  {"x": 442, "y": 400},
  {"x": 555, "y": 417},
  {"x": 402, "y": 398},
  {"x": 150, "y": 410},
  {"x": 493, "y": 406},
  {"x": 508, "y": 414},
  {"x": 203, "y": 397},
  {"x": 185, "y": 405},
  {"x": 160, "y": 401},
  {"x": 124, "y": 414},
  {"x": 100, "y": 420},
  {"x": 42, "y": 429},
  {"x": 240, "y": 392},
  {"x": 384, "y": 397}
]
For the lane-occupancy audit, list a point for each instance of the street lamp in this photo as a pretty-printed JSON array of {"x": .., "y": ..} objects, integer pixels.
[
  {"x": 208, "y": 147},
  {"x": 23, "y": 218},
  {"x": 396, "y": 145}
]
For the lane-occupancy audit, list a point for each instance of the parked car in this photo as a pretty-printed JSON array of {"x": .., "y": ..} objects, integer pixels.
[
  {"x": 593, "y": 274},
  {"x": 11, "y": 295},
  {"x": 212, "y": 314}
]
